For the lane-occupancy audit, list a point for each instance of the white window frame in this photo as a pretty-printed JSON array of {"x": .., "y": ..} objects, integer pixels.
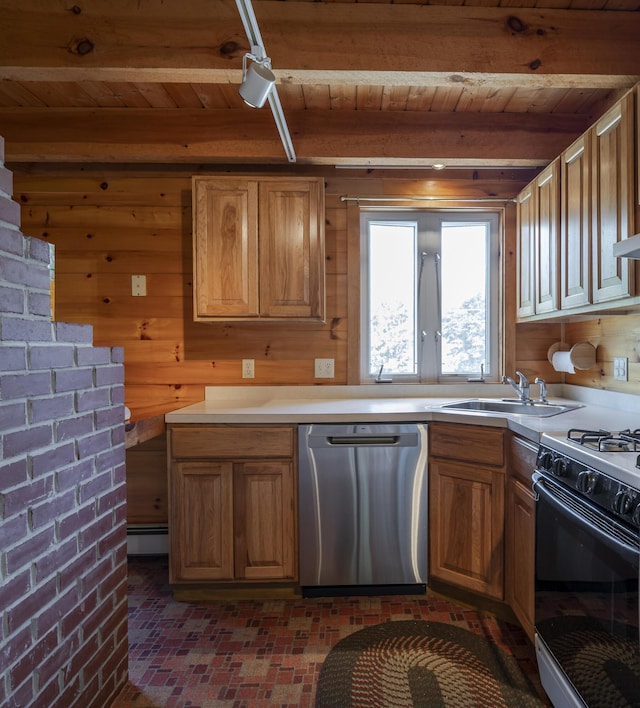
[{"x": 429, "y": 227}]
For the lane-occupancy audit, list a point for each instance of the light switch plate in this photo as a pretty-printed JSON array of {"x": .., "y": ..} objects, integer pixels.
[
  {"x": 324, "y": 369},
  {"x": 620, "y": 368},
  {"x": 138, "y": 285}
]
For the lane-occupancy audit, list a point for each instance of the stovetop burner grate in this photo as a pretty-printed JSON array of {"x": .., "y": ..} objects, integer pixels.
[{"x": 606, "y": 441}]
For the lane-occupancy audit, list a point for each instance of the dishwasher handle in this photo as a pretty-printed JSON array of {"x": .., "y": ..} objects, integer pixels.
[
  {"x": 356, "y": 440},
  {"x": 363, "y": 440}
]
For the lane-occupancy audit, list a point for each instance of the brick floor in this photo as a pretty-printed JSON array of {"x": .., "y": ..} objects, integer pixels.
[{"x": 255, "y": 653}]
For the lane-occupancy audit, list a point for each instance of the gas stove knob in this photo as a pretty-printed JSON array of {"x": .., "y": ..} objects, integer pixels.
[
  {"x": 545, "y": 461},
  {"x": 559, "y": 467},
  {"x": 635, "y": 517},
  {"x": 586, "y": 482},
  {"x": 622, "y": 502}
]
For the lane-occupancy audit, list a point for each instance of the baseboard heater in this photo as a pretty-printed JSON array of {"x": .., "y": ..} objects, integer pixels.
[{"x": 147, "y": 540}]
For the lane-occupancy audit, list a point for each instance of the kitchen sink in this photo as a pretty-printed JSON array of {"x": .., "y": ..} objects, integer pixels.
[{"x": 507, "y": 405}]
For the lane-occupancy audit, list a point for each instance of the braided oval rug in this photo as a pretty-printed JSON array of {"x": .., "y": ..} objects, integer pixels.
[{"x": 420, "y": 663}]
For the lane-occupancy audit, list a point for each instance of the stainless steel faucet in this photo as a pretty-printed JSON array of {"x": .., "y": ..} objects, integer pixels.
[
  {"x": 543, "y": 389},
  {"x": 521, "y": 388}
]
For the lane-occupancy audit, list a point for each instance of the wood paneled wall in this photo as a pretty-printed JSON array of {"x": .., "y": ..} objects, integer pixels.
[
  {"x": 533, "y": 340},
  {"x": 612, "y": 336},
  {"x": 109, "y": 223}
]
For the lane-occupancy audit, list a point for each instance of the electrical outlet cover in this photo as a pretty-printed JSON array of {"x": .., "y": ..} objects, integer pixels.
[
  {"x": 324, "y": 369},
  {"x": 620, "y": 372},
  {"x": 248, "y": 369}
]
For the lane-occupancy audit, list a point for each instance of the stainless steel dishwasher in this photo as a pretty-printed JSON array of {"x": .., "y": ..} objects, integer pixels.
[{"x": 363, "y": 508}]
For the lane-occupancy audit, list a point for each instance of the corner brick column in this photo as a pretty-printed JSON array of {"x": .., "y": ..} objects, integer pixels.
[{"x": 63, "y": 573}]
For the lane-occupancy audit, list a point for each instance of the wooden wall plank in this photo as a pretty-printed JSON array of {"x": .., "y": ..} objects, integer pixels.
[
  {"x": 101, "y": 191},
  {"x": 121, "y": 217}
]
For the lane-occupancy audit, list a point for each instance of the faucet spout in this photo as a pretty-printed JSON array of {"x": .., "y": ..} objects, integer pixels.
[{"x": 521, "y": 388}]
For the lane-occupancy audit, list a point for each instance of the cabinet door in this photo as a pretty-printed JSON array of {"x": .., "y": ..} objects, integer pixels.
[
  {"x": 292, "y": 249},
  {"x": 466, "y": 508},
  {"x": 526, "y": 278},
  {"x": 520, "y": 554},
  {"x": 546, "y": 217},
  {"x": 265, "y": 545},
  {"x": 201, "y": 521},
  {"x": 613, "y": 193},
  {"x": 225, "y": 248},
  {"x": 575, "y": 229}
]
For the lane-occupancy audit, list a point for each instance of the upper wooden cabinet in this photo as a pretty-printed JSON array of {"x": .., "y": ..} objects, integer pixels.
[
  {"x": 612, "y": 198},
  {"x": 526, "y": 244},
  {"x": 547, "y": 187},
  {"x": 575, "y": 225},
  {"x": 258, "y": 249},
  {"x": 538, "y": 229},
  {"x": 570, "y": 217}
]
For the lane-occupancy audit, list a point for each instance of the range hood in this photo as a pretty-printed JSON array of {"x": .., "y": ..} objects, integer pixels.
[{"x": 628, "y": 247}]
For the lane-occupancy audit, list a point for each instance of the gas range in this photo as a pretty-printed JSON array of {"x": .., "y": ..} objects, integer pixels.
[
  {"x": 587, "y": 556},
  {"x": 616, "y": 454}
]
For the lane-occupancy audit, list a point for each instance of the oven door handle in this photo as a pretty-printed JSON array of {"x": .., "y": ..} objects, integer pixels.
[{"x": 585, "y": 514}]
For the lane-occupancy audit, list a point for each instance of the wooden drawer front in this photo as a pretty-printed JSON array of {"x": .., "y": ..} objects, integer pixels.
[
  {"x": 469, "y": 443},
  {"x": 522, "y": 458},
  {"x": 236, "y": 442}
]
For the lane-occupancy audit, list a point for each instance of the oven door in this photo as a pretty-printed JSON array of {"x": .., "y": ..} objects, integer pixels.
[{"x": 586, "y": 600}]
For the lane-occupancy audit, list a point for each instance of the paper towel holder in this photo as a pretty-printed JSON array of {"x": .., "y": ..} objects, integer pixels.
[{"x": 582, "y": 354}]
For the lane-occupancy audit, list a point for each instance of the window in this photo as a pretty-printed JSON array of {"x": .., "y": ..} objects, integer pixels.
[{"x": 430, "y": 295}]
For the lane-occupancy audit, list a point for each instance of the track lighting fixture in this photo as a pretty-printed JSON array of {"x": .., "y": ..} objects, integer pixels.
[{"x": 257, "y": 79}]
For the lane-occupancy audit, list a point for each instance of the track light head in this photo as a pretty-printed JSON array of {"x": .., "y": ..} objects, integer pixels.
[{"x": 257, "y": 80}]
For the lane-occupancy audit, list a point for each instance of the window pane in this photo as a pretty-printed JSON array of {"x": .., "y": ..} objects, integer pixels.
[
  {"x": 392, "y": 305},
  {"x": 464, "y": 298}
]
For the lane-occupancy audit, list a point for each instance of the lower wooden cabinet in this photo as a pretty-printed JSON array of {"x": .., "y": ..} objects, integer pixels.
[
  {"x": 520, "y": 533},
  {"x": 232, "y": 519},
  {"x": 264, "y": 520},
  {"x": 201, "y": 522},
  {"x": 466, "y": 508}
]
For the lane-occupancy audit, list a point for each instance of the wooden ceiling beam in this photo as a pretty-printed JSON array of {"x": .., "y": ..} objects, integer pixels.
[
  {"x": 304, "y": 77},
  {"x": 320, "y": 137},
  {"x": 320, "y": 43}
]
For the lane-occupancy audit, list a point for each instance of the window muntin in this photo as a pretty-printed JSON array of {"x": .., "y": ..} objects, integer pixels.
[{"x": 430, "y": 300}]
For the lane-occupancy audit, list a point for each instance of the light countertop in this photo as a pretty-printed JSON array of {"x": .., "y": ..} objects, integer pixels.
[{"x": 385, "y": 403}]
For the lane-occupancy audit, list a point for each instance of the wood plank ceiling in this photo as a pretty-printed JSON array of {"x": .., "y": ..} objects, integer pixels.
[{"x": 462, "y": 82}]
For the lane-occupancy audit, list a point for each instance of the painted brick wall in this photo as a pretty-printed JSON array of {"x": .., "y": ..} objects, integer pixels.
[{"x": 63, "y": 605}]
